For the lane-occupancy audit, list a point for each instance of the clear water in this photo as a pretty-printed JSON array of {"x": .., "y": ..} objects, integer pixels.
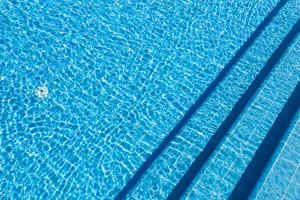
[
  {"x": 280, "y": 179},
  {"x": 229, "y": 161},
  {"x": 165, "y": 173},
  {"x": 120, "y": 75}
]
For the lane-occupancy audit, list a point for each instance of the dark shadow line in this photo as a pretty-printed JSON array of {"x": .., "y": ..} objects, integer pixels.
[
  {"x": 132, "y": 182},
  {"x": 185, "y": 181},
  {"x": 263, "y": 154}
]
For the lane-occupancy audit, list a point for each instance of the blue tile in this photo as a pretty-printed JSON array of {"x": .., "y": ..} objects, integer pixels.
[
  {"x": 296, "y": 178},
  {"x": 267, "y": 194},
  {"x": 233, "y": 176},
  {"x": 285, "y": 168},
  {"x": 200, "y": 192},
  {"x": 226, "y": 155},
  {"x": 291, "y": 154},
  {"x": 210, "y": 181},
  {"x": 225, "y": 190},
  {"x": 215, "y": 167},
  {"x": 277, "y": 182},
  {"x": 241, "y": 163},
  {"x": 293, "y": 191}
]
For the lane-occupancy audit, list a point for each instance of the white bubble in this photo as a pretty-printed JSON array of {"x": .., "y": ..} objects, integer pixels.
[{"x": 41, "y": 91}]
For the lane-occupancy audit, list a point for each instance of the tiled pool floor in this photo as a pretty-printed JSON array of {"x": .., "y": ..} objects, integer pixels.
[
  {"x": 234, "y": 154},
  {"x": 281, "y": 179},
  {"x": 120, "y": 75},
  {"x": 173, "y": 163}
]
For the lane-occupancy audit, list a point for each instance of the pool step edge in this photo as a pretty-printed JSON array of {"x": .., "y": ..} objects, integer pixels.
[{"x": 198, "y": 163}]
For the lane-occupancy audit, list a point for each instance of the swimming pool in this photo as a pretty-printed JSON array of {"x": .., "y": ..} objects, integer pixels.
[
  {"x": 197, "y": 132},
  {"x": 120, "y": 75},
  {"x": 281, "y": 178}
]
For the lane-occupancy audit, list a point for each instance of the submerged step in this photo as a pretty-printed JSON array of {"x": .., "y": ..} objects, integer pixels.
[
  {"x": 280, "y": 178},
  {"x": 267, "y": 147},
  {"x": 118, "y": 91},
  {"x": 172, "y": 164},
  {"x": 232, "y": 156},
  {"x": 132, "y": 182},
  {"x": 235, "y": 112}
]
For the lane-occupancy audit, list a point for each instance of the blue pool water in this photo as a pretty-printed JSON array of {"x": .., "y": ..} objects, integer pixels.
[
  {"x": 121, "y": 74},
  {"x": 281, "y": 177},
  {"x": 234, "y": 154},
  {"x": 169, "y": 168}
]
